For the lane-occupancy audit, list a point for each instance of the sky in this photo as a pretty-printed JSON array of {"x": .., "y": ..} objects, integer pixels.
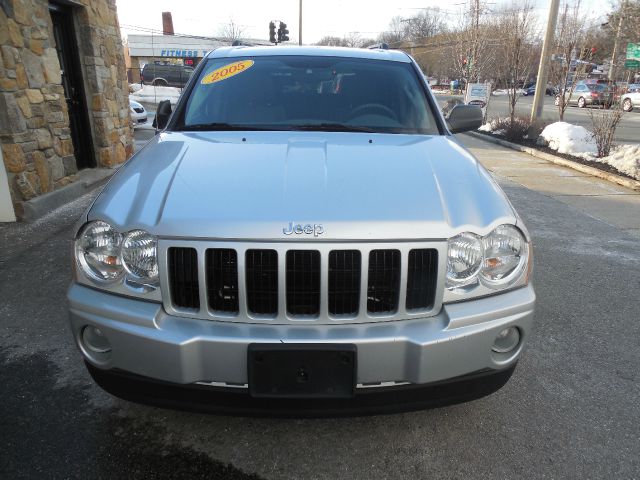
[{"x": 320, "y": 17}]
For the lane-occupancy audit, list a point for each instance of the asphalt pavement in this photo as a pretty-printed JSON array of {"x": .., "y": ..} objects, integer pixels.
[
  {"x": 628, "y": 130},
  {"x": 570, "y": 411}
]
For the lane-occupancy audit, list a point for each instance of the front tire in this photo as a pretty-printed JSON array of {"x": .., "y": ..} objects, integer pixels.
[
  {"x": 582, "y": 102},
  {"x": 627, "y": 106}
]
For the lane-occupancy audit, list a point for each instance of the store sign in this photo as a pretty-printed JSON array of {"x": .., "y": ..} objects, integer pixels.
[
  {"x": 633, "y": 51},
  {"x": 182, "y": 53},
  {"x": 633, "y": 64},
  {"x": 478, "y": 94}
]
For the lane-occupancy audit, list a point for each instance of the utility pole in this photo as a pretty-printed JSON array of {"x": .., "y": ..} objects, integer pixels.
[
  {"x": 612, "y": 67},
  {"x": 300, "y": 24},
  {"x": 541, "y": 82}
]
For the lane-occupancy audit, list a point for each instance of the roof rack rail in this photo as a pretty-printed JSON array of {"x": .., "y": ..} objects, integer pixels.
[
  {"x": 379, "y": 46},
  {"x": 240, "y": 43}
]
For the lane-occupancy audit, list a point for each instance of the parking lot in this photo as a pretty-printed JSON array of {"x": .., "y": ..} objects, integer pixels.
[{"x": 569, "y": 411}]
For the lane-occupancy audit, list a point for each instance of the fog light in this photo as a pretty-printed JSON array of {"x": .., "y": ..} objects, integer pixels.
[
  {"x": 507, "y": 340},
  {"x": 94, "y": 340}
]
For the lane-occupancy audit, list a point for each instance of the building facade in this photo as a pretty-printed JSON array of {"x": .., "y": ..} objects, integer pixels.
[{"x": 64, "y": 105}]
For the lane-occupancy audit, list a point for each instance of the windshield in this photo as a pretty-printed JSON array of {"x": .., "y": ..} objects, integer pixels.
[{"x": 308, "y": 93}]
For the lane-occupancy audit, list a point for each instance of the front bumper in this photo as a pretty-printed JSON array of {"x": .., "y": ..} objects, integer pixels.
[{"x": 148, "y": 342}]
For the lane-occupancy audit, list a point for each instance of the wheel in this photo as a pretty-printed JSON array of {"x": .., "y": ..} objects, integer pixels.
[
  {"x": 557, "y": 101},
  {"x": 627, "y": 106},
  {"x": 160, "y": 82},
  {"x": 581, "y": 102}
]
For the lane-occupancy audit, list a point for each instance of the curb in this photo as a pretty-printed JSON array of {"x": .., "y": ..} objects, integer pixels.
[
  {"x": 38, "y": 207},
  {"x": 595, "y": 172}
]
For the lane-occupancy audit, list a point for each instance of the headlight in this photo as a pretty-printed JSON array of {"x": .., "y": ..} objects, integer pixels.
[
  {"x": 124, "y": 263},
  {"x": 139, "y": 256},
  {"x": 464, "y": 259},
  {"x": 478, "y": 266},
  {"x": 505, "y": 254},
  {"x": 98, "y": 252}
]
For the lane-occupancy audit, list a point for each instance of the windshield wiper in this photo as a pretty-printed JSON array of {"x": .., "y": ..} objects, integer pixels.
[
  {"x": 332, "y": 127},
  {"x": 220, "y": 126}
]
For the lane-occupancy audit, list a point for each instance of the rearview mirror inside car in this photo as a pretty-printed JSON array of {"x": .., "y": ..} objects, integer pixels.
[{"x": 464, "y": 118}]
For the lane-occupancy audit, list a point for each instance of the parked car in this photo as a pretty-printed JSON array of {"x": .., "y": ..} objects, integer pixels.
[
  {"x": 629, "y": 101},
  {"x": 166, "y": 75},
  {"x": 138, "y": 113},
  {"x": 281, "y": 248},
  {"x": 588, "y": 94},
  {"x": 531, "y": 90}
]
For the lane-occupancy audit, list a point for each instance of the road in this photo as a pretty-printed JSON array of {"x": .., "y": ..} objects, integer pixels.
[
  {"x": 570, "y": 411},
  {"x": 628, "y": 131}
]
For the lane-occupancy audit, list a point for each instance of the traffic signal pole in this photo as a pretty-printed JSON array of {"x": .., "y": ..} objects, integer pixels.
[{"x": 541, "y": 82}]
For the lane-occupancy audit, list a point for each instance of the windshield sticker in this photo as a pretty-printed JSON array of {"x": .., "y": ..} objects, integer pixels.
[{"x": 227, "y": 71}]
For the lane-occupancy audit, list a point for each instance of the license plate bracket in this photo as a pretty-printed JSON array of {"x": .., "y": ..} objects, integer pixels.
[{"x": 301, "y": 370}]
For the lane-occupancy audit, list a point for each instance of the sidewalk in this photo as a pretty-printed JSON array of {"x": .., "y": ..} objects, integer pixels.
[{"x": 611, "y": 203}]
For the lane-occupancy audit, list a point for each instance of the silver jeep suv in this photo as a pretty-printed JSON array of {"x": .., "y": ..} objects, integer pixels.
[{"x": 303, "y": 236}]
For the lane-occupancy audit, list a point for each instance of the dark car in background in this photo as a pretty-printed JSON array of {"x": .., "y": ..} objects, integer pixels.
[
  {"x": 531, "y": 90},
  {"x": 166, "y": 75}
]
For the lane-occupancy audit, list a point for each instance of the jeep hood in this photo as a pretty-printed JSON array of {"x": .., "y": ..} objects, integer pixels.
[{"x": 251, "y": 185}]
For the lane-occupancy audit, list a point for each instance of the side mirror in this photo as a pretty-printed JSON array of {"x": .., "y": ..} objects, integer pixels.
[
  {"x": 163, "y": 112},
  {"x": 464, "y": 118}
]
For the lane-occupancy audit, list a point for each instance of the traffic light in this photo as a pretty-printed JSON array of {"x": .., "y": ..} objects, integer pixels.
[
  {"x": 283, "y": 33},
  {"x": 272, "y": 32}
]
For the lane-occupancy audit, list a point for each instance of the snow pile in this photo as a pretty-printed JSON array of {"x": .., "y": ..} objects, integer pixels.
[
  {"x": 153, "y": 95},
  {"x": 503, "y": 91},
  {"x": 134, "y": 87},
  {"x": 570, "y": 139},
  {"x": 492, "y": 126},
  {"x": 579, "y": 142},
  {"x": 626, "y": 159}
]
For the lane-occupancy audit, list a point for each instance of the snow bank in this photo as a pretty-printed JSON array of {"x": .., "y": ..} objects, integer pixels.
[
  {"x": 578, "y": 141},
  {"x": 151, "y": 94},
  {"x": 570, "y": 139},
  {"x": 626, "y": 159},
  {"x": 503, "y": 92},
  {"x": 134, "y": 87}
]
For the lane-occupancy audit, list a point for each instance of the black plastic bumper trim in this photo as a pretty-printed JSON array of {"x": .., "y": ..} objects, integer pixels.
[{"x": 201, "y": 398}]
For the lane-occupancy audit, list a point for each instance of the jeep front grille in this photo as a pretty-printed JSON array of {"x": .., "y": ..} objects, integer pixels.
[{"x": 325, "y": 284}]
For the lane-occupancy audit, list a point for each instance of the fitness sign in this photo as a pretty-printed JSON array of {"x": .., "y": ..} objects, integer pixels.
[{"x": 226, "y": 71}]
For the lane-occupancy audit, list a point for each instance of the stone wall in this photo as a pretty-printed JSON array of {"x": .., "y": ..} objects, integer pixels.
[{"x": 34, "y": 125}]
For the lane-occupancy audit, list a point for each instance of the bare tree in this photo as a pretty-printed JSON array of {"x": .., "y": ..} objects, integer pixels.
[
  {"x": 231, "y": 31},
  {"x": 516, "y": 26},
  {"x": 396, "y": 33},
  {"x": 604, "y": 124},
  {"x": 352, "y": 39},
  {"x": 331, "y": 41}
]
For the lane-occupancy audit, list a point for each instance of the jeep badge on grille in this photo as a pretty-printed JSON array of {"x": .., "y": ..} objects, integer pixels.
[{"x": 308, "y": 229}]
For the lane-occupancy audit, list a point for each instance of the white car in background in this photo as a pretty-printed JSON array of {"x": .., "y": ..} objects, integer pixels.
[
  {"x": 630, "y": 100},
  {"x": 138, "y": 113}
]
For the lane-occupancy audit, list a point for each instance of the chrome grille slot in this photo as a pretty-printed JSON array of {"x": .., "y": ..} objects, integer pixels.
[
  {"x": 183, "y": 273},
  {"x": 222, "y": 279},
  {"x": 344, "y": 282},
  {"x": 261, "y": 267},
  {"x": 422, "y": 269},
  {"x": 384, "y": 281},
  {"x": 303, "y": 282}
]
